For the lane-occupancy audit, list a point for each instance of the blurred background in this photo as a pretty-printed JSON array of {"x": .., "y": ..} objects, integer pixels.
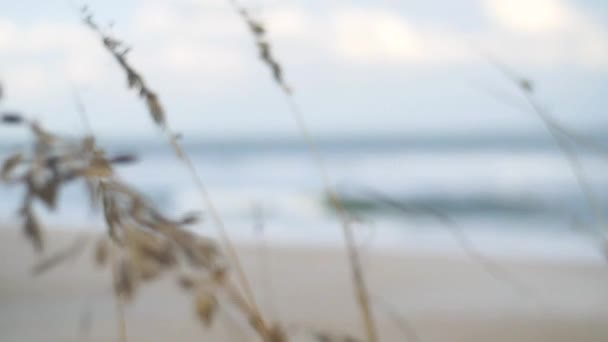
[{"x": 418, "y": 129}]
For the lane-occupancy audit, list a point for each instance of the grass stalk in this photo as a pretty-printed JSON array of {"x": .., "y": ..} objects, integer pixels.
[
  {"x": 559, "y": 134},
  {"x": 406, "y": 327},
  {"x": 361, "y": 292},
  {"x": 491, "y": 267},
  {"x": 118, "y": 300},
  {"x": 264, "y": 259},
  {"x": 219, "y": 224},
  {"x": 157, "y": 113},
  {"x": 572, "y": 158}
]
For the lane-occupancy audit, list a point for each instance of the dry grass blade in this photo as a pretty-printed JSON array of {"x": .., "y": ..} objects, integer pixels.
[
  {"x": 155, "y": 108},
  {"x": 72, "y": 251},
  {"x": 32, "y": 230},
  {"x": 187, "y": 282},
  {"x": 206, "y": 306},
  {"x": 9, "y": 166},
  {"x": 150, "y": 255},
  {"x": 102, "y": 250},
  {"x": 99, "y": 167},
  {"x": 327, "y": 337},
  {"x": 118, "y": 298},
  {"x": 47, "y": 192},
  {"x": 12, "y": 118},
  {"x": 45, "y": 139},
  {"x": 276, "y": 334},
  {"x": 123, "y": 159},
  {"x": 147, "y": 269},
  {"x": 190, "y": 218},
  {"x": 110, "y": 213},
  {"x": 126, "y": 279},
  {"x": 201, "y": 252}
]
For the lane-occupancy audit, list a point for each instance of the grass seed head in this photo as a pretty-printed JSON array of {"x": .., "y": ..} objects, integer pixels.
[{"x": 206, "y": 306}]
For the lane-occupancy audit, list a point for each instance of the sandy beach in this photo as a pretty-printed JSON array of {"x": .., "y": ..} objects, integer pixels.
[{"x": 442, "y": 298}]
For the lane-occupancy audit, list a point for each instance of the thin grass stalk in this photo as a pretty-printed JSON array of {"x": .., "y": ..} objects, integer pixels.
[
  {"x": 406, "y": 327},
  {"x": 259, "y": 33},
  {"x": 118, "y": 299},
  {"x": 72, "y": 251},
  {"x": 572, "y": 158},
  {"x": 218, "y": 222},
  {"x": 264, "y": 259},
  {"x": 248, "y": 304},
  {"x": 362, "y": 293},
  {"x": 493, "y": 268},
  {"x": 558, "y": 127},
  {"x": 82, "y": 111},
  {"x": 557, "y": 133}
]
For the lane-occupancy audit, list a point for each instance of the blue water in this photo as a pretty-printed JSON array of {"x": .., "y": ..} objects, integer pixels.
[{"x": 400, "y": 190}]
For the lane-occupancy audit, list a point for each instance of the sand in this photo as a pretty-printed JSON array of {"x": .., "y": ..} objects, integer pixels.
[{"x": 441, "y": 298}]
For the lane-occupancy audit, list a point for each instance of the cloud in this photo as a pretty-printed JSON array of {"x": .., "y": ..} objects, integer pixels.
[
  {"x": 289, "y": 21},
  {"x": 189, "y": 42},
  {"x": 530, "y": 16},
  {"x": 7, "y": 35},
  {"x": 185, "y": 41},
  {"x": 552, "y": 33},
  {"x": 199, "y": 54},
  {"x": 36, "y": 60},
  {"x": 531, "y": 33},
  {"x": 377, "y": 36}
]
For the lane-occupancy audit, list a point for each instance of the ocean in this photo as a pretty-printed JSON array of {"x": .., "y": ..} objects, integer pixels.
[{"x": 514, "y": 196}]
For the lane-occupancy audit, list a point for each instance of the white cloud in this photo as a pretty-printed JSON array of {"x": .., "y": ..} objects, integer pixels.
[
  {"x": 288, "y": 22},
  {"x": 377, "y": 36},
  {"x": 36, "y": 60},
  {"x": 7, "y": 35},
  {"x": 192, "y": 51},
  {"x": 189, "y": 42},
  {"x": 552, "y": 33},
  {"x": 182, "y": 19},
  {"x": 531, "y": 33},
  {"x": 530, "y": 16},
  {"x": 27, "y": 81}
]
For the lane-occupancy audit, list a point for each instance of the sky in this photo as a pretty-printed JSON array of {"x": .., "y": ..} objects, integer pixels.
[{"x": 384, "y": 67}]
